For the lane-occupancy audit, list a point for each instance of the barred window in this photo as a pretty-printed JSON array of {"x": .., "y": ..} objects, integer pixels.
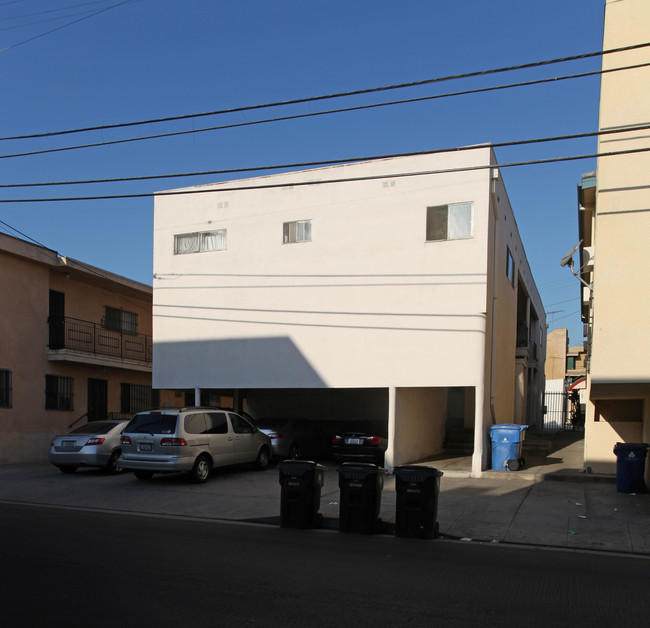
[
  {"x": 200, "y": 242},
  {"x": 296, "y": 231},
  {"x": 58, "y": 392},
  {"x": 136, "y": 398},
  {"x": 5, "y": 388},
  {"x": 117, "y": 319}
]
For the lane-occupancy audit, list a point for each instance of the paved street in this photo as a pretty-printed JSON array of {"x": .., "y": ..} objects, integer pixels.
[
  {"x": 79, "y": 568},
  {"x": 565, "y": 514}
]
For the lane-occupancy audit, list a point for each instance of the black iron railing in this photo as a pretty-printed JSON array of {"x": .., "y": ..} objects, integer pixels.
[{"x": 93, "y": 338}]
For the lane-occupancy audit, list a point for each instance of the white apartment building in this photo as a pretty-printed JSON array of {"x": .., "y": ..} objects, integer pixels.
[{"x": 395, "y": 291}]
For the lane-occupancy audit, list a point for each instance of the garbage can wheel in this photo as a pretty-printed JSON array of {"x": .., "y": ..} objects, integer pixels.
[
  {"x": 513, "y": 465},
  {"x": 522, "y": 463}
]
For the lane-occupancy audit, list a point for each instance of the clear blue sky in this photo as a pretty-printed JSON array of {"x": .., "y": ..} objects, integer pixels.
[{"x": 147, "y": 59}]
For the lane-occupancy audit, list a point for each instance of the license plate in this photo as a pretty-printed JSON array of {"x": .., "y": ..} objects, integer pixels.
[
  {"x": 68, "y": 444},
  {"x": 145, "y": 446},
  {"x": 354, "y": 441}
]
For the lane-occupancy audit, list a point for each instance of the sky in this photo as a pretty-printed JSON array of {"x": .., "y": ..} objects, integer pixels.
[{"x": 69, "y": 64}]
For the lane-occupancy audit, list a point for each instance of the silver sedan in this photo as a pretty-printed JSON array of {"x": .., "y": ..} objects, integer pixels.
[{"x": 95, "y": 444}]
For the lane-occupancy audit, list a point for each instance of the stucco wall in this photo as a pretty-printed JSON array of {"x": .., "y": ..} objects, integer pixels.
[
  {"x": 421, "y": 415},
  {"x": 367, "y": 303}
]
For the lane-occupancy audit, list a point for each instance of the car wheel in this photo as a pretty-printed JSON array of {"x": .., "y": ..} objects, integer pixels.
[
  {"x": 294, "y": 452},
  {"x": 67, "y": 468},
  {"x": 113, "y": 464},
  {"x": 263, "y": 459},
  {"x": 143, "y": 475},
  {"x": 201, "y": 470}
]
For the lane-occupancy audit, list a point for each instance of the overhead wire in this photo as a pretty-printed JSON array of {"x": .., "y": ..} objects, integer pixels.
[
  {"x": 311, "y": 99},
  {"x": 328, "y": 162},
  {"x": 316, "y": 113},
  {"x": 264, "y": 186},
  {"x": 58, "y": 28}
]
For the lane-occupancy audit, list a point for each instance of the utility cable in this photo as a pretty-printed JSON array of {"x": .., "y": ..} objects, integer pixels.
[
  {"x": 329, "y": 162},
  {"x": 266, "y": 186},
  {"x": 358, "y": 92},
  {"x": 318, "y": 113}
]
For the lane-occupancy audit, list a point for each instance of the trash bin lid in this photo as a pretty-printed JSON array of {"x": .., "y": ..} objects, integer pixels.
[
  {"x": 508, "y": 426},
  {"x": 415, "y": 472},
  {"x": 298, "y": 467},
  {"x": 360, "y": 469}
]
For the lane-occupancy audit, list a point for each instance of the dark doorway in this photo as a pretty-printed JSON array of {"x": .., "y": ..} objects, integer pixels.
[
  {"x": 97, "y": 399},
  {"x": 56, "y": 320}
]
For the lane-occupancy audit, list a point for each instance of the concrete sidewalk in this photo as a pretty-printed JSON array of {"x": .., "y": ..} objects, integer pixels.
[{"x": 514, "y": 507}]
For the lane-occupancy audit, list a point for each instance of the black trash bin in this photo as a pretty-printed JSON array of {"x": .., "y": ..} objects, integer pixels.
[
  {"x": 416, "y": 511},
  {"x": 361, "y": 485},
  {"x": 301, "y": 482},
  {"x": 630, "y": 467}
]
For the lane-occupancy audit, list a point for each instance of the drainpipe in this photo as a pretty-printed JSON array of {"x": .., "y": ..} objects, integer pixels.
[
  {"x": 389, "y": 458},
  {"x": 197, "y": 396}
]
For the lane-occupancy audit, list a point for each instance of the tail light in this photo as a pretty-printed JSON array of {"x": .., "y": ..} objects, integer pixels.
[
  {"x": 173, "y": 442},
  {"x": 336, "y": 440},
  {"x": 125, "y": 440},
  {"x": 274, "y": 435},
  {"x": 95, "y": 441},
  {"x": 373, "y": 440}
]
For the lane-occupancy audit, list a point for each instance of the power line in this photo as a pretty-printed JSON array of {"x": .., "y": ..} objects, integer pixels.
[
  {"x": 329, "y": 162},
  {"x": 58, "y": 28},
  {"x": 310, "y": 99},
  {"x": 71, "y": 6},
  {"x": 318, "y": 113},
  {"x": 265, "y": 186}
]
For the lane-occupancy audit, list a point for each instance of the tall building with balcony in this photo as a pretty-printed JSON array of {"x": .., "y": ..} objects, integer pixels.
[{"x": 75, "y": 346}]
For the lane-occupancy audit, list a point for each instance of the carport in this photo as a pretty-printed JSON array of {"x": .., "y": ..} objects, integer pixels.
[{"x": 420, "y": 422}]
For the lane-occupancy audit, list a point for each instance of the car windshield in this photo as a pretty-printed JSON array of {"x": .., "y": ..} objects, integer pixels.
[
  {"x": 152, "y": 424},
  {"x": 95, "y": 427}
]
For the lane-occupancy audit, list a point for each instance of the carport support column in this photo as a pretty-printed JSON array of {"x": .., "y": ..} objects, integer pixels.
[
  {"x": 480, "y": 441},
  {"x": 389, "y": 458},
  {"x": 197, "y": 396}
]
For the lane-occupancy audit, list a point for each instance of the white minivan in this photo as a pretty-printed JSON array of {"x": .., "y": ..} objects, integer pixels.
[{"x": 195, "y": 440}]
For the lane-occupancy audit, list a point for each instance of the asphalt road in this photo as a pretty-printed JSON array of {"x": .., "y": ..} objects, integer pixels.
[{"x": 67, "y": 567}]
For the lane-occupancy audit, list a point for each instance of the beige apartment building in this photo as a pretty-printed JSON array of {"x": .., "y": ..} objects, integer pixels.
[
  {"x": 614, "y": 225},
  {"x": 75, "y": 346},
  {"x": 392, "y": 292}
]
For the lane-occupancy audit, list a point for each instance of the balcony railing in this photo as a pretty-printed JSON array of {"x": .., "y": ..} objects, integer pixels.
[{"x": 89, "y": 337}]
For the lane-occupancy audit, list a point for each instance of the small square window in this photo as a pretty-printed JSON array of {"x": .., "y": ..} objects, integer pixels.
[
  {"x": 296, "y": 231},
  {"x": 450, "y": 222}
]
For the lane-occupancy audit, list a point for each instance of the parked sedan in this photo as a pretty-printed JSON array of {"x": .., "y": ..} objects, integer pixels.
[
  {"x": 95, "y": 444},
  {"x": 294, "y": 439},
  {"x": 356, "y": 446}
]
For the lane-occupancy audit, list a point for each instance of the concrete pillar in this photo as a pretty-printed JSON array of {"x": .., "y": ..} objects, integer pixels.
[
  {"x": 389, "y": 458},
  {"x": 480, "y": 455},
  {"x": 197, "y": 396}
]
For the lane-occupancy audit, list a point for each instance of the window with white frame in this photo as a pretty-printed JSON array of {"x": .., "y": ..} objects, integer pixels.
[
  {"x": 450, "y": 222},
  {"x": 5, "y": 388},
  {"x": 200, "y": 242},
  {"x": 296, "y": 231}
]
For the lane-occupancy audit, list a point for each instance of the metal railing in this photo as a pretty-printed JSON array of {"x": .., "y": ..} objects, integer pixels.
[{"x": 93, "y": 338}]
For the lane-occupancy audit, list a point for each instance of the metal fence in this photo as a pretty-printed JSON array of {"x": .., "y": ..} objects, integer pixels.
[
  {"x": 556, "y": 414},
  {"x": 93, "y": 338}
]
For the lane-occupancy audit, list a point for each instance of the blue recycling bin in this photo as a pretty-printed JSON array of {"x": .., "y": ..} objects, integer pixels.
[
  {"x": 507, "y": 441},
  {"x": 630, "y": 467}
]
